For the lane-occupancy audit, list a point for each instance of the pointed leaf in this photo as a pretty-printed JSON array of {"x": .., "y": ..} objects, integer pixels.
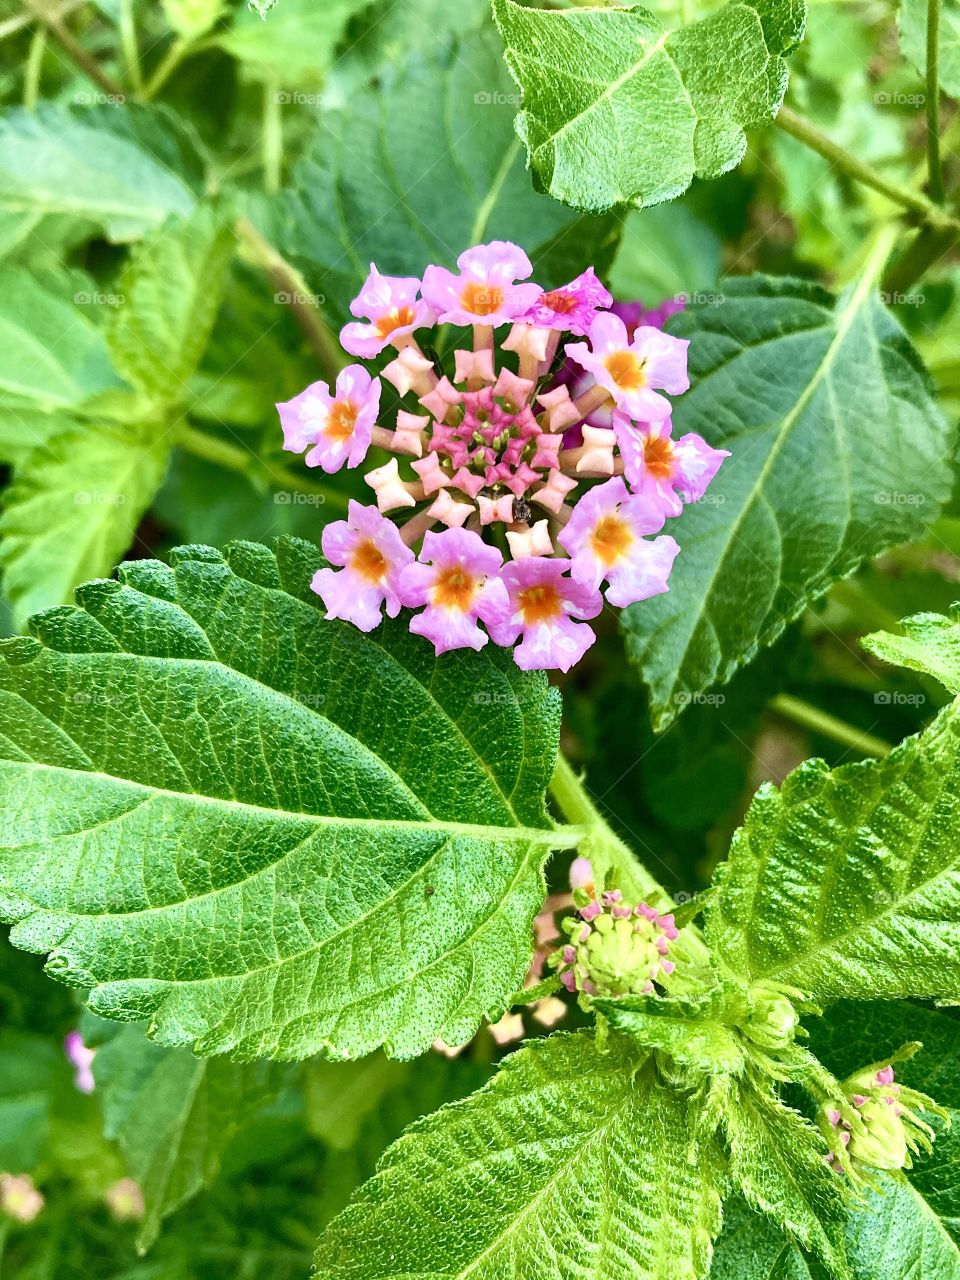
[
  {"x": 268, "y": 832},
  {"x": 820, "y": 477},
  {"x": 931, "y": 644},
  {"x": 750, "y": 1247},
  {"x": 687, "y": 1028},
  {"x": 912, "y": 20},
  {"x": 571, "y": 1162},
  {"x": 618, "y": 111},
  {"x": 844, "y": 882}
]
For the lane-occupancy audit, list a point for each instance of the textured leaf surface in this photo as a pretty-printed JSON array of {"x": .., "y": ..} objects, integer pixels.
[
  {"x": 72, "y": 510},
  {"x": 126, "y": 171},
  {"x": 618, "y": 111},
  {"x": 838, "y": 452},
  {"x": 272, "y": 833},
  {"x": 750, "y": 1247},
  {"x": 687, "y": 1029},
  {"x": 930, "y": 643},
  {"x": 438, "y": 128},
  {"x": 173, "y": 1116},
  {"x": 172, "y": 287},
  {"x": 896, "y": 1233},
  {"x": 570, "y": 1164},
  {"x": 776, "y": 1161},
  {"x": 913, "y": 40},
  {"x": 847, "y": 883}
]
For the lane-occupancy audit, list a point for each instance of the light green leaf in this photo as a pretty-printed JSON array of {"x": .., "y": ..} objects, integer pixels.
[
  {"x": 293, "y": 44},
  {"x": 341, "y": 1095},
  {"x": 750, "y": 1247},
  {"x": 666, "y": 252},
  {"x": 912, "y": 20},
  {"x": 72, "y": 510},
  {"x": 192, "y": 18},
  {"x": 444, "y": 119},
  {"x": 687, "y": 1028},
  {"x": 173, "y": 1116},
  {"x": 126, "y": 171},
  {"x": 264, "y": 831},
  {"x": 172, "y": 287},
  {"x": 776, "y": 1161},
  {"x": 571, "y": 1162},
  {"x": 838, "y": 453},
  {"x": 897, "y": 1233},
  {"x": 52, "y": 352},
  {"x": 931, "y": 644},
  {"x": 845, "y": 882},
  {"x": 618, "y": 111},
  {"x": 31, "y": 1070}
]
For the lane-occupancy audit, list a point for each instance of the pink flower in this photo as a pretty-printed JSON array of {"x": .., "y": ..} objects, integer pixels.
[
  {"x": 339, "y": 427},
  {"x": 605, "y": 538},
  {"x": 391, "y": 306},
  {"x": 543, "y": 604},
  {"x": 484, "y": 292},
  {"x": 456, "y": 579},
  {"x": 372, "y": 553},
  {"x": 630, "y": 369},
  {"x": 573, "y": 307},
  {"x": 635, "y": 314},
  {"x": 81, "y": 1059},
  {"x": 665, "y": 469}
]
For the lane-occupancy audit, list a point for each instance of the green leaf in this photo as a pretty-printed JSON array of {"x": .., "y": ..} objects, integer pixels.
[
  {"x": 367, "y": 188},
  {"x": 570, "y": 1162},
  {"x": 687, "y": 1028},
  {"x": 172, "y": 287},
  {"x": 750, "y": 1247},
  {"x": 819, "y": 479},
  {"x": 73, "y": 508},
  {"x": 173, "y": 1116},
  {"x": 912, "y": 20},
  {"x": 665, "y": 252},
  {"x": 341, "y": 1095},
  {"x": 931, "y": 644},
  {"x": 897, "y": 1233},
  {"x": 293, "y": 44},
  {"x": 52, "y": 353},
  {"x": 264, "y": 831},
  {"x": 844, "y": 882},
  {"x": 31, "y": 1070},
  {"x": 618, "y": 111},
  {"x": 126, "y": 171},
  {"x": 776, "y": 1160}
]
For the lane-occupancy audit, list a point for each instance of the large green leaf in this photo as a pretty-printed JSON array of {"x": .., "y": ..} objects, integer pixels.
[
  {"x": 73, "y": 508},
  {"x": 845, "y": 882},
  {"x": 838, "y": 452},
  {"x": 419, "y": 168},
  {"x": 171, "y": 286},
  {"x": 264, "y": 831},
  {"x": 618, "y": 111},
  {"x": 571, "y": 1162},
  {"x": 173, "y": 1116},
  {"x": 912, "y": 19},
  {"x": 896, "y": 1232},
  {"x": 124, "y": 170},
  {"x": 930, "y": 643},
  {"x": 750, "y": 1247},
  {"x": 293, "y": 44}
]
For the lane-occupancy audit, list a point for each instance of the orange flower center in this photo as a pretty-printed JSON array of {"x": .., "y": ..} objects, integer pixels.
[
  {"x": 341, "y": 420},
  {"x": 395, "y": 319},
  {"x": 368, "y": 561},
  {"x": 626, "y": 370},
  {"x": 562, "y": 303},
  {"x": 541, "y": 603},
  {"x": 481, "y": 299},
  {"x": 454, "y": 588},
  {"x": 611, "y": 538},
  {"x": 658, "y": 456}
]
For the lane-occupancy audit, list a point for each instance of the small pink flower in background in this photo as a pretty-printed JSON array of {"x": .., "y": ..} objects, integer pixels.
[
  {"x": 19, "y": 1197},
  {"x": 393, "y": 310},
  {"x": 630, "y": 368},
  {"x": 606, "y": 539},
  {"x": 456, "y": 578},
  {"x": 82, "y": 1060},
  {"x": 338, "y": 426},
  {"x": 665, "y": 469},
  {"x": 485, "y": 292},
  {"x": 544, "y": 603},
  {"x": 635, "y": 314},
  {"x": 573, "y": 307},
  {"x": 372, "y": 553}
]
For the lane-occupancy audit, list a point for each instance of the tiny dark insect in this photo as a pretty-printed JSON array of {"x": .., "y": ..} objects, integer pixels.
[
  {"x": 521, "y": 511},
  {"x": 430, "y": 891}
]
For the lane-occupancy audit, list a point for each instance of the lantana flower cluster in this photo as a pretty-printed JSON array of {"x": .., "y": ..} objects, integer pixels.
[
  {"x": 525, "y": 487},
  {"x": 614, "y": 948},
  {"x": 875, "y": 1125}
]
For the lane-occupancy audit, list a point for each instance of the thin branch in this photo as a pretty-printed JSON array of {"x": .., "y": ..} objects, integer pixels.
[
  {"x": 828, "y": 726},
  {"x": 934, "y": 167},
  {"x": 53, "y": 21}
]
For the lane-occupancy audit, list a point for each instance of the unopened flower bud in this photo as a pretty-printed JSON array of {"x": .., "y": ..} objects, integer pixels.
[{"x": 772, "y": 1022}]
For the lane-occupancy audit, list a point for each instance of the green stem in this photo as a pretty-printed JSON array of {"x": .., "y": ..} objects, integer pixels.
[
  {"x": 235, "y": 457},
  {"x": 175, "y": 54},
  {"x": 272, "y": 142},
  {"x": 293, "y": 292},
  {"x": 928, "y": 247},
  {"x": 33, "y": 68},
  {"x": 828, "y": 726},
  {"x": 53, "y": 22},
  {"x": 128, "y": 42},
  {"x": 933, "y": 100},
  {"x": 811, "y": 136}
]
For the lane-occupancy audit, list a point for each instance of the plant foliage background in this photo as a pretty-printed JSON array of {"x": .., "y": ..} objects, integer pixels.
[{"x": 272, "y": 861}]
